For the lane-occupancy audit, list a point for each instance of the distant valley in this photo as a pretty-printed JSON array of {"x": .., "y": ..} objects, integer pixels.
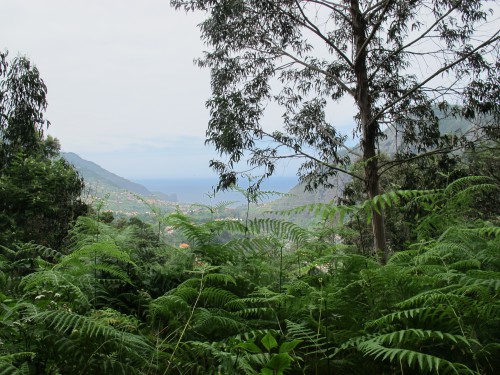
[
  {"x": 123, "y": 197},
  {"x": 99, "y": 178},
  {"x": 201, "y": 190},
  {"x": 128, "y": 198}
]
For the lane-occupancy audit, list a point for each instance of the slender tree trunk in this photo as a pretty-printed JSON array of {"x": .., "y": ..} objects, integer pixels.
[{"x": 369, "y": 128}]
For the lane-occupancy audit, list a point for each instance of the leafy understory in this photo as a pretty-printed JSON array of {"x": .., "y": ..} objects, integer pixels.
[{"x": 261, "y": 297}]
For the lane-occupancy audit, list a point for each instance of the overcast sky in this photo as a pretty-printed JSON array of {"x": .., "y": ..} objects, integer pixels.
[{"x": 123, "y": 90}]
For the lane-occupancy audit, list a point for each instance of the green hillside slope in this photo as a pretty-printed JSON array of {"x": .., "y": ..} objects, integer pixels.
[{"x": 120, "y": 194}]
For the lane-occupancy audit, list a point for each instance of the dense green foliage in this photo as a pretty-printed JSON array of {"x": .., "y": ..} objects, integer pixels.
[
  {"x": 262, "y": 296},
  {"x": 39, "y": 199},
  {"x": 94, "y": 294},
  {"x": 433, "y": 172},
  {"x": 22, "y": 106},
  {"x": 40, "y": 193},
  {"x": 309, "y": 58}
]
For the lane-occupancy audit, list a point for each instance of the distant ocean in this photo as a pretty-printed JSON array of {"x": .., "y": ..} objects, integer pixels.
[{"x": 197, "y": 190}]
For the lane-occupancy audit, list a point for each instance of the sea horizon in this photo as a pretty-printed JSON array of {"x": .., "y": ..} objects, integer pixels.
[{"x": 201, "y": 190}]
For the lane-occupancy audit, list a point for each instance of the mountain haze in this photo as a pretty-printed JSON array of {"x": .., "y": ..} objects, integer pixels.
[
  {"x": 297, "y": 196},
  {"x": 119, "y": 195},
  {"x": 121, "y": 192},
  {"x": 98, "y": 177}
]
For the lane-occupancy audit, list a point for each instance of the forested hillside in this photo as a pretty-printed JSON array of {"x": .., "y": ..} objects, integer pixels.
[
  {"x": 94, "y": 175},
  {"x": 122, "y": 197},
  {"x": 94, "y": 295},
  {"x": 398, "y": 274}
]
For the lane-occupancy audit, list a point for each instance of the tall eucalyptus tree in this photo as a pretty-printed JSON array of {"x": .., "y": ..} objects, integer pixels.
[
  {"x": 40, "y": 193},
  {"x": 396, "y": 59},
  {"x": 23, "y": 101}
]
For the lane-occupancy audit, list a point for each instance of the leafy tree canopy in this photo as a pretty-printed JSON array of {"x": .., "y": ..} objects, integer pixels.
[
  {"x": 396, "y": 60},
  {"x": 39, "y": 199},
  {"x": 23, "y": 103},
  {"x": 39, "y": 193}
]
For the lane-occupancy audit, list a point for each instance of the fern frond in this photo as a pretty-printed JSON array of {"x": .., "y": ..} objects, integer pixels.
[
  {"x": 220, "y": 278},
  {"x": 212, "y": 351},
  {"x": 113, "y": 270},
  {"x": 300, "y": 285},
  {"x": 253, "y": 334},
  {"x": 67, "y": 285},
  {"x": 117, "y": 320},
  {"x": 463, "y": 183},
  {"x": 266, "y": 297},
  {"x": 9, "y": 363},
  {"x": 20, "y": 311},
  {"x": 412, "y": 335},
  {"x": 31, "y": 250},
  {"x": 489, "y": 279},
  {"x": 487, "y": 231},
  {"x": 210, "y": 319},
  {"x": 7, "y": 368},
  {"x": 421, "y": 313},
  {"x": 196, "y": 234},
  {"x": 66, "y": 322},
  {"x": 219, "y": 207},
  {"x": 280, "y": 229},
  {"x": 166, "y": 305},
  {"x": 323, "y": 210},
  {"x": 187, "y": 294},
  {"x": 465, "y": 264},
  {"x": 424, "y": 362},
  {"x": 251, "y": 312},
  {"x": 251, "y": 245},
  {"x": 217, "y": 297},
  {"x": 403, "y": 257},
  {"x": 313, "y": 343},
  {"x": 105, "y": 250}
]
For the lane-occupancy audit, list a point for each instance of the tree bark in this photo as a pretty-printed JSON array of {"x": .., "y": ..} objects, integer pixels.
[{"x": 369, "y": 128}]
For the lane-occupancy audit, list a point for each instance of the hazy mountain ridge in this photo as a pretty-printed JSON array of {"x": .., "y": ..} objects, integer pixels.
[
  {"x": 127, "y": 198},
  {"x": 121, "y": 192},
  {"x": 93, "y": 174},
  {"x": 121, "y": 196},
  {"x": 299, "y": 197}
]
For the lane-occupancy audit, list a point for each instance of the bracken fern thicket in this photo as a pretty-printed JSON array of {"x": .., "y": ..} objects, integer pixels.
[{"x": 260, "y": 296}]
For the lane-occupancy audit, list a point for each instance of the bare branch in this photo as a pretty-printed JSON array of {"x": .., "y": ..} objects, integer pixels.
[
  {"x": 375, "y": 28},
  {"x": 306, "y": 155},
  {"x": 493, "y": 39},
  {"x": 330, "y": 5},
  {"x": 394, "y": 163},
  {"x": 312, "y": 27},
  {"x": 316, "y": 69},
  {"x": 419, "y": 38}
]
